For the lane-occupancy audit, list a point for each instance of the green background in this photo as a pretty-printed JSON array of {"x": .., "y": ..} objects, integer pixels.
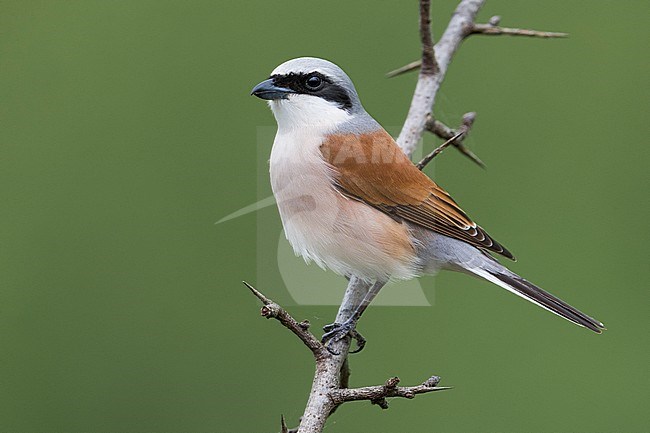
[{"x": 127, "y": 130}]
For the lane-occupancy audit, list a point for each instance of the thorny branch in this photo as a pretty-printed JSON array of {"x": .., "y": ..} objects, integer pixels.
[
  {"x": 491, "y": 29},
  {"x": 330, "y": 387},
  {"x": 378, "y": 394},
  {"x": 426, "y": 88},
  {"x": 272, "y": 310},
  {"x": 341, "y": 394}
]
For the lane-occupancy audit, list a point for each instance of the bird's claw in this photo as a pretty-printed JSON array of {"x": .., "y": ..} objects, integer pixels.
[{"x": 338, "y": 331}]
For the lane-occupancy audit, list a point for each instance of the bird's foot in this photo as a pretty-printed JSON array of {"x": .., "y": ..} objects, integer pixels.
[{"x": 338, "y": 331}]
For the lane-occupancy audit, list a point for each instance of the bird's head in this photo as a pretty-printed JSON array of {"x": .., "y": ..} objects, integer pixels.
[{"x": 309, "y": 93}]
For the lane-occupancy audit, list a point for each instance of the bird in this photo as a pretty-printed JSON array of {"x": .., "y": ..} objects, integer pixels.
[{"x": 350, "y": 200}]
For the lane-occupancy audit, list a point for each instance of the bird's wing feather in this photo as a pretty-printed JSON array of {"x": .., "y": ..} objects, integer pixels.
[{"x": 371, "y": 168}]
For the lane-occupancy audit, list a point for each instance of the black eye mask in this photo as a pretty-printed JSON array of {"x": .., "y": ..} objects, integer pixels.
[{"x": 304, "y": 84}]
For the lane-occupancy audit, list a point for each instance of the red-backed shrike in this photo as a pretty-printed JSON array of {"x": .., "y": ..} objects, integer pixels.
[{"x": 352, "y": 201}]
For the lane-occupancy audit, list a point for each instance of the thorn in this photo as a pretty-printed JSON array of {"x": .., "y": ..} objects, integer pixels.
[
  {"x": 284, "y": 427},
  {"x": 257, "y": 294},
  {"x": 404, "y": 69},
  {"x": 468, "y": 153}
]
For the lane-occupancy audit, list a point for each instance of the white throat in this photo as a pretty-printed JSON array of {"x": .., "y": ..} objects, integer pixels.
[{"x": 308, "y": 114}]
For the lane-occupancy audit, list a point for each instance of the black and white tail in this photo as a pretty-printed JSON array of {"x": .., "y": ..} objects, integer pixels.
[{"x": 512, "y": 282}]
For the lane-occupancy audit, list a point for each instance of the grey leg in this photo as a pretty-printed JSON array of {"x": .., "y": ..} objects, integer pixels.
[{"x": 338, "y": 331}]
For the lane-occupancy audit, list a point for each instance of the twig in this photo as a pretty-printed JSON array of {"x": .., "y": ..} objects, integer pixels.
[
  {"x": 491, "y": 29},
  {"x": 426, "y": 87},
  {"x": 429, "y": 62},
  {"x": 404, "y": 69},
  {"x": 445, "y": 132},
  {"x": 438, "y": 150},
  {"x": 272, "y": 310},
  {"x": 378, "y": 394},
  {"x": 487, "y": 29}
]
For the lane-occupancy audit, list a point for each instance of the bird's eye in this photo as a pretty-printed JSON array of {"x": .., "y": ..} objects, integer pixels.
[{"x": 313, "y": 82}]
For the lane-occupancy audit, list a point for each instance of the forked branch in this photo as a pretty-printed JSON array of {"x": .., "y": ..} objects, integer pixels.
[
  {"x": 491, "y": 28},
  {"x": 453, "y": 137}
]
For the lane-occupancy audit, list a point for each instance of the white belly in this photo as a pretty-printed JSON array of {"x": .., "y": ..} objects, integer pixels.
[{"x": 323, "y": 226}]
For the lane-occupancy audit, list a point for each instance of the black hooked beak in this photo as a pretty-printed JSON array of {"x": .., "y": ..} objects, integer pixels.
[{"x": 268, "y": 90}]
